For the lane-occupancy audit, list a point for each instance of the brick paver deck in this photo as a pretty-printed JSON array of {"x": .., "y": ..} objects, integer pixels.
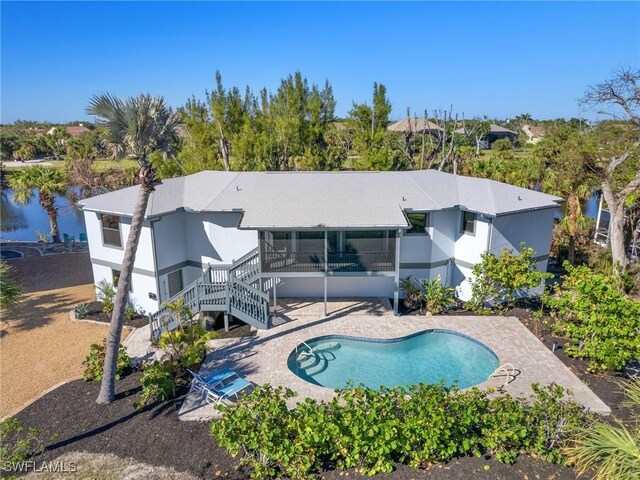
[{"x": 263, "y": 358}]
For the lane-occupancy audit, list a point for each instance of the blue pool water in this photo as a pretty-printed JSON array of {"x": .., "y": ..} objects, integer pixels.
[{"x": 431, "y": 356}]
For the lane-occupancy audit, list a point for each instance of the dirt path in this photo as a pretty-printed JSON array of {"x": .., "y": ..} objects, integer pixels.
[{"x": 39, "y": 345}]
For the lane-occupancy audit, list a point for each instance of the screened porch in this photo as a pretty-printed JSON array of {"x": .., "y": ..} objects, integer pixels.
[{"x": 328, "y": 251}]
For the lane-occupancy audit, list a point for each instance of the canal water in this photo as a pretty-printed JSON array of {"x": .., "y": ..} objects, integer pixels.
[{"x": 20, "y": 222}]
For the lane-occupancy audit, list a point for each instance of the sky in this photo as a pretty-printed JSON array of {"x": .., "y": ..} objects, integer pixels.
[{"x": 497, "y": 59}]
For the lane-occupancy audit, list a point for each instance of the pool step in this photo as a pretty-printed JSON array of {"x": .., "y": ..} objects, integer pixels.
[
  {"x": 318, "y": 367},
  {"x": 308, "y": 361},
  {"x": 327, "y": 347}
]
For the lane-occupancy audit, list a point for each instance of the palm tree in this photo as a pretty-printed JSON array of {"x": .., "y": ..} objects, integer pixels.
[
  {"x": 137, "y": 126},
  {"x": 10, "y": 292},
  {"x": 49, "y": 182}
]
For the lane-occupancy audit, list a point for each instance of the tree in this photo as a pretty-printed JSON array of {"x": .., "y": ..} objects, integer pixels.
[
  {"x": 619, "y": 150},
  {"x": 49, "y": 182},
  {"x": 569, "y": 158},
  {"x": 56, "y": 141},
  {"x": 371, "y": 140},
  {"x": 10, "y": 292},
  {"x": 137, "y": 126}
]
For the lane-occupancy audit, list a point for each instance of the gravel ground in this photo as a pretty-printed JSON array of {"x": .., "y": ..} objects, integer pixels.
[{"x": 39, "y": 345}]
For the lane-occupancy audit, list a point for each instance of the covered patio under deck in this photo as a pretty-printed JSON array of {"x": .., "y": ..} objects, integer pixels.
[{"x": 330, "y": 253}]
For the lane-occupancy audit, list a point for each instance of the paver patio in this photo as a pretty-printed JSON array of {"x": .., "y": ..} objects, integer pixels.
[{"x": 263, "y": 358}]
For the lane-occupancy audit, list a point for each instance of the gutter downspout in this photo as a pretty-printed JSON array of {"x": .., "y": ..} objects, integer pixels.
[
  {"x": 490, "y": 236},
  {"x": 155, "y": 259}
]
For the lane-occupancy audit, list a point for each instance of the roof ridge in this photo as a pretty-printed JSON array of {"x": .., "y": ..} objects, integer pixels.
[
  {"x": 424, "y": 192},
  {"x": 224, "y": 188}
]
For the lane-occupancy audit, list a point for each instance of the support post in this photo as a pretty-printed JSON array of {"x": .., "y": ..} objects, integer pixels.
[
  {"x": 275, "y": 296},
  {"x": 595, "y": 237},
  {"x": 396, "y": 289},
  {"x": 226, "y": 321},
  {"x": 326, "y": 268}
]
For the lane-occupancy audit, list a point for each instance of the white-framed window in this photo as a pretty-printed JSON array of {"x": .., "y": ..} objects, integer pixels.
[
  {"x": 111, "y": 230},
  {"x": 468, "y": 223}
]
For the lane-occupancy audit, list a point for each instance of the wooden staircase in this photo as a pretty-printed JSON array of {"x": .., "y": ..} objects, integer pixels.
[{"x": 234, "y": 289}]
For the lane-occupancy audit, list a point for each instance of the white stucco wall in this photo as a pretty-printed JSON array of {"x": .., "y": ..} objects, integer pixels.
[
  {"x": 104, "y": 258},
  {"x": 170, "y": 240},
  {"x": 534, "y": 228},
  {"x": 214, "y": 238}
]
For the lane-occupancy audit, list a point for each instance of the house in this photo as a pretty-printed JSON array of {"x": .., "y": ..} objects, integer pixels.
[
  {"x": 235, "y": 242},
  {"x": 534, "y": 134},
  {"x": 74, "y": 131},
  {"x": 416, "y": 125},
  {"x": 496, "y": 132}
]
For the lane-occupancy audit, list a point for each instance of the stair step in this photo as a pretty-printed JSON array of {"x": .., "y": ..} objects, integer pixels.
[{"x": 308, "y": 361}]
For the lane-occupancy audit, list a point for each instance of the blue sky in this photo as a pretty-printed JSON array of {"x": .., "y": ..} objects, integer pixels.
[{"x": 495, "y": 59}]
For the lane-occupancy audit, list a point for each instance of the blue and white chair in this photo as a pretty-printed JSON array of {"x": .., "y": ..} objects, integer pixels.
[{"x": 222, "y": 385}]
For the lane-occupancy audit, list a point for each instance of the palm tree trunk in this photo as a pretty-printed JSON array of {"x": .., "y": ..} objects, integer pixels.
[
  {"x": 107, "y": 389},
  {"x": 48, "y": 204}
]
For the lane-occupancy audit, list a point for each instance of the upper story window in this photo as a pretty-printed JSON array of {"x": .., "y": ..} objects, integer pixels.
[
  {"x": 111, "y": 231},
  {"x": 419, "y": 223},
  {"x": 468, "y": 223}
]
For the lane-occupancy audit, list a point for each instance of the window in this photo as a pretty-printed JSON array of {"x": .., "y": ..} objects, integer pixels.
[
  {"x": 111, "y": 230},
  {"x": 468, "y": 223},
  {"x": 175, "y": 282},
  {"x": 419, "y": 223},
  {"x": 115, "y": 275}
]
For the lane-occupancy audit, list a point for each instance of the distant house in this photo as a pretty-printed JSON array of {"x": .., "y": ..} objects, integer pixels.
[
  {"x": 74, "y": 131},
  {"x": 496, "y": 132},
  {"x": 416, "y": 125},
  {"x": 534, "y": 134}
]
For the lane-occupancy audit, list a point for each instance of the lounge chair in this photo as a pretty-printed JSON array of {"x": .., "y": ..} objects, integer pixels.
[
  {"x": 83, "y": 238},
  {"x": 218, "y": 386}
]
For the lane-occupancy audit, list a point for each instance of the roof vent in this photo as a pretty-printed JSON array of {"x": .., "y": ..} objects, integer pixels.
[
  {"x": 404, "y": 199},
  {"x": 519, "y": 197},
  {"x": 237, "y": 188}
]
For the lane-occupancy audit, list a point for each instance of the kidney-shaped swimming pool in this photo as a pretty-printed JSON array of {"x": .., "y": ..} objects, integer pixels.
[{"x": 430, "y": 356}]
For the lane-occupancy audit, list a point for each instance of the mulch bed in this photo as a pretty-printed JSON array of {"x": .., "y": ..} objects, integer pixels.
[
  {"x": 155, "y": 436},
  {"x": 97, "y": 315}
]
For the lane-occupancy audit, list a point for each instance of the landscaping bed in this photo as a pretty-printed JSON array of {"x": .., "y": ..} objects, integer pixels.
[
  {"x": 96, "y": 314},
  {"x": 154, "y": 436}
]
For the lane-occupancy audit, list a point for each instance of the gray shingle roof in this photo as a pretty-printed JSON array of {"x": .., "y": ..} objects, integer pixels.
[
  {"x": 325, "y": 199},
  {"x": 417, "y": 125}
]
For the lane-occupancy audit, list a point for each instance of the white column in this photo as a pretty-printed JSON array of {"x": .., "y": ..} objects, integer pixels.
[
  {"x": 326, "y": 266},
  {"x": 396, "y": 290}
]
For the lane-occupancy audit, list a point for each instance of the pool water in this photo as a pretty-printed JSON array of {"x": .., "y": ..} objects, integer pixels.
[{"x": 430, "y": 356}]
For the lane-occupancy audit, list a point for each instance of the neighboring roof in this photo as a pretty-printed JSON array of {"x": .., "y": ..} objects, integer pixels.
[
  {"x": 325, "y": 199},
  {"x": 493, "y": 128},
  {"x": 417, "y": 125},
  {"x": 74, "y": 131},
  {"x": 534, "y": 131}
]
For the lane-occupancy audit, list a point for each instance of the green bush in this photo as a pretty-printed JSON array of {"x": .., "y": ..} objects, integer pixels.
[
  {"x": 184, "y": 348},
  {"x": 602, "y": 322},
  {"x": 16, "y": 445},
  {"x": 411, "y": 291},
  {"x": 500, "y": 280},
  {"x": 130, "y": 312},
  {"x": 94, "y": 363},
  {"x": 371, "y": 430},
  {"x": 435, "y": 296},
  {"x": 107, "y": 295}
]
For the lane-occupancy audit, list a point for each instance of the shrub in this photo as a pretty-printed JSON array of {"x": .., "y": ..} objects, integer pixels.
[
  {"x": 602, "y": 322},
  {"x": 611, "y": 452},
  {"x": 435, "y": 296},
  {"x": 371, "y": 430},
  {"x": 411, "y": 291},
  {"x": 106, "y": 294},
  {"x": 130, "y": 312},
  {"x": 16, "y": 445},
  {"x": 184, "y": 348},
  {"x": 81, "y": 310},
  {"x": 94, "y": 363},
  {"x": 500, "y": 280}
]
